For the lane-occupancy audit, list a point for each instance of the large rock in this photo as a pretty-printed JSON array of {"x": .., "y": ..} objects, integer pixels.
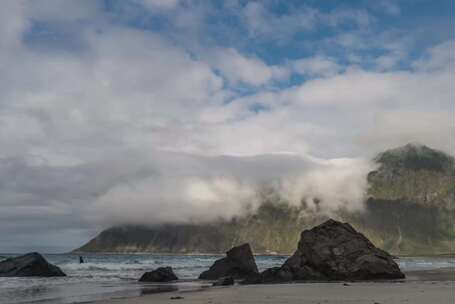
[
  {"x": 29, "y": 265},
  {"x": 336, "y": 251},
  {"x": 332, "y": 251},
  {"x": 162, "y": 275},
  {"x": 239, "y": 263}
]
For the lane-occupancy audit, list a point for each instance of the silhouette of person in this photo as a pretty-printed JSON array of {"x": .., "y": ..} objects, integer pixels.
[{"x": 81, "y": 260}]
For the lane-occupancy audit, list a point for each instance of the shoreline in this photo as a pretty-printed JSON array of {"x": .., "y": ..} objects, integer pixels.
[
  {"x": 419, "y": 287},
  {"x": 172, "y": 254},
  {"x": 415, "y": 292},
  {"x": 396, "y": 257},
  {"x": 109, "y": 277},
  {"x": 441, "y": 255}
]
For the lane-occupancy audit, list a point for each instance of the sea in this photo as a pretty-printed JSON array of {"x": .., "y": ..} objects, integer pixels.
[{"x": 110, "y": 276}]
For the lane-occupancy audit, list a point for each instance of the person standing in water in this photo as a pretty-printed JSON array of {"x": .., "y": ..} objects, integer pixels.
[{"x": 81, "y": 260}]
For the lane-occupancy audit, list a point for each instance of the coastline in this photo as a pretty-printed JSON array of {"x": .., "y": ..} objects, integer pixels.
[
  {"x": 155, "y": 253},
  {"x": 415, "y": 292},
  {"x": 398, "y": 256},
  {"x": 420, "y": 287},
  {"x": 106, "y": 277}
]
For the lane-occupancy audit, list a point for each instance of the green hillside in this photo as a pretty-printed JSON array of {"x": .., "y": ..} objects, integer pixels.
[{"x": 410, "y": 211}]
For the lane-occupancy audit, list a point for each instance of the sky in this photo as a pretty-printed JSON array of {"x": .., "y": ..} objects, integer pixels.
[{"x": 152, "y": 111}]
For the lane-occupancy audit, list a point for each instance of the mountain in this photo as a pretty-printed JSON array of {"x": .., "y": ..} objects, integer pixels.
[
  {"x": 274, "y": 228},
  {"x": 410, "y": 211}
]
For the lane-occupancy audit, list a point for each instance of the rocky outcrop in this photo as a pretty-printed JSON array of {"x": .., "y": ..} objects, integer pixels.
[
  {"x": 29, "y": 265},
  {"x": 333, "y": 251},
  {"x": 159, "y": 275},
  {"x": 336, "y": 251},
  {"x": 271, "y": 275},
  {"x": 224, "y": 281},
  {"x": 239, "y": 263}
]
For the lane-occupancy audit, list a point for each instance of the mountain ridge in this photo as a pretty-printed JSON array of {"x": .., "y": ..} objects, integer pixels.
[{"x": 410, "y": 209}]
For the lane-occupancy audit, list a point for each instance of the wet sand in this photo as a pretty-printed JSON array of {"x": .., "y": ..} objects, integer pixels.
[{"x": 420, "y": 287}]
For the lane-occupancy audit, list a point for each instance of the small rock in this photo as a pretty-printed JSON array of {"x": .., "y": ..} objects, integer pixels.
[
  {"x": 271, "y": 275},
  {"x": 162, "y": 274},
  {"x": 224, "y": 281}
]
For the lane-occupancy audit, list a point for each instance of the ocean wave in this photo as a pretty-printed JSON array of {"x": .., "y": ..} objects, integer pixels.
[
  {"x": 104, "y": 266},
  {"x": 123, "y": 267}
]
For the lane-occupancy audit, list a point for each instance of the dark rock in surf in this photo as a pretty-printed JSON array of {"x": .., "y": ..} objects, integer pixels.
[
  {"x": 29, "y": 265},
  {"x": 224, "y": 281},
  {"x": 159, "y": 275},
  {"x": 239, "y": 263}
]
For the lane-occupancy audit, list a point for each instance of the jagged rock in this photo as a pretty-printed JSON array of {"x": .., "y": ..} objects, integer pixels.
[
  {"x": 336, "y": 251},
  {"x": 239, "y": 263},
  {"x": 224, "y": 281},
  {"x": 332, "y": 251},
  {"x": 271, "y": 275},
  {"x": 162, "y": 274},
  {"x": 29, "y": 265}
]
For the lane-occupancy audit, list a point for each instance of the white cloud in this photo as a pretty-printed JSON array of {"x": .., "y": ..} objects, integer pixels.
[
  {"x": 267, "y": 24},
  {"x": 389, "y": 6},
  {"x": 439, "y": 57},
  {"x": 223, "y": 187},
  {"x": 63, "y": 11},
  {"x": 340, "y": 16},
  {"x": 392, "y": 128},
  {"x": 316, "y": 66},
  {"x": 160, "y": 4},
  {"x": 261, "y": 22},
  {"x": 12, "y": 24},
  {"x": 249, "y": 70},
  {"x": 336, "y": 183},
  {"x": 357, "y": 87}
]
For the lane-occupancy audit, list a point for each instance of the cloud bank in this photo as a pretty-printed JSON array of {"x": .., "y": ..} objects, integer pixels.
[{"x": 184, "y": 188}]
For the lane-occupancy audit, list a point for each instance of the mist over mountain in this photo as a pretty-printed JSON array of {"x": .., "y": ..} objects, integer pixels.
[{"x": 409, "y": 209}]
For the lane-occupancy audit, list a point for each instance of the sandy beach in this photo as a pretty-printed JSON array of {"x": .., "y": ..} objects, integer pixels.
[
  {"x": 384, "y": 293},
  {"x": 420, "y": 287}
]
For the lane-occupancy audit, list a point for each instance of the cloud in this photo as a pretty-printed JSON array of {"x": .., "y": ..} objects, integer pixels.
[
  {"x": 392, "y": 128},
  {"x": 316, "y": 66},
  {"x": 440, "y": 57},
  {"x": 265, "y": 23},
  {"x": 339, "y": 16},
  {"x": 391, "y": 7},
  {"x": 223, "y": 187},
  {"x": 62, "y": 12},
  {"x": 248, "y": 70},
  {"x": 261, "y": 22},
  {"x": 160, "y": 4},
  {"x": 12, "y": 24}
]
